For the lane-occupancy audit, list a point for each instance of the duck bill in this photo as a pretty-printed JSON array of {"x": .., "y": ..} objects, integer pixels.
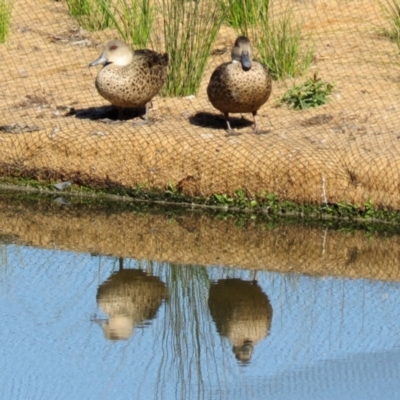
[
  {"x": 245, "y": 60},
  {"x": 100, "y": 321},
  {"x": 100, "y": 61}
]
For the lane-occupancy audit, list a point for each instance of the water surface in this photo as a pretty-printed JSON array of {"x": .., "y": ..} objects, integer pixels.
[{"x": 87, "y": 325}]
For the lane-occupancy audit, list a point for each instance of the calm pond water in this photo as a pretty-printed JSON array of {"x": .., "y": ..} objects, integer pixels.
[{"x": 81, "y": 325}]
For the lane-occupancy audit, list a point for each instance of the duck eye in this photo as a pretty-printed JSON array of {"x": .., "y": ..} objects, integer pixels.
[{"x": 113, "y": 47}]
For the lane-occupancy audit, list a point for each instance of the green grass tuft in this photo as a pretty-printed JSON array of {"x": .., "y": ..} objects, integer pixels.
[
  {"x": 190, "y": 29},
  {"x": 279, "y": 44},
  {"x": 278, "y": 41},
  {"x": 133, "y": 19},
  {"x": 391, "y": 11},
  {"x": 312, "y": 93},
  {"x": 6, "y": 7},
  {"x": 92, "y": 15},
  {"x": 242, "y": 14},
  {"x": 225, "y": 206}
]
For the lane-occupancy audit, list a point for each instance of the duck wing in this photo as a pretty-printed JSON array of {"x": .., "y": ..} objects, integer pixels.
[{"x": 151, "y": 58}]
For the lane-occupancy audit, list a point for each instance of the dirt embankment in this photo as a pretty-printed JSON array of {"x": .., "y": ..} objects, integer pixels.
[{"x": 347, "y": 150}]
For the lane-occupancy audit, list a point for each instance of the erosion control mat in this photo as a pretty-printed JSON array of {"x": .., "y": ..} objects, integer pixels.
[
  {"x": 192, "y": 238},
  {"x": 52, "y": 118}
]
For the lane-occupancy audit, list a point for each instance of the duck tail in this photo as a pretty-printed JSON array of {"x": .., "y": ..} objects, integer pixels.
[{"x": 165, "y": 58}]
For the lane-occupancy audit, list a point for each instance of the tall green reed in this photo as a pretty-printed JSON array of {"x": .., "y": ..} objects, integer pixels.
[
  {"x": 188, "y": 325},
  {"x": 391, "y": 11},
  {"x": 281, "y": 46},
  {"x": 6, "y": 7},
  {"x": 278, "y": 42},
  {"x": 92, "y": 15},
  {"x": 242, "y": 14},
  {"x": 190, "y": 29},
  {"x": 133, "y": 19}
]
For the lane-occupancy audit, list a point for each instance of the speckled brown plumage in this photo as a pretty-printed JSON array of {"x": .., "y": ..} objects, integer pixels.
[
  {"x": 129, "y": 297},
  {"x": 130, "y": 79},
  {"x": 240, "y": 86}
]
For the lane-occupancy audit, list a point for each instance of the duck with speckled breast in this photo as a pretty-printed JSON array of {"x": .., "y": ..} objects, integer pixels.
[
  {"x": 242, "y": 85},
  {"x": 130, "y": 79}
]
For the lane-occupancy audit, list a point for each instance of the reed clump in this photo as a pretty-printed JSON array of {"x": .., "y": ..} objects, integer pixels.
[
  {"x": 6, "y": 7},
  {"x": 189, "y": 32},
  {"x": 133, "y": 20},
  {"x": 278, "y": 40},
  {"x": 391, "y": 11},
  {"x": 92, "y": 15}
]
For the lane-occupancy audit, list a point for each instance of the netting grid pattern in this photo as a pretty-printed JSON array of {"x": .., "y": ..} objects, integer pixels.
[{"x": 346, "y": 150}]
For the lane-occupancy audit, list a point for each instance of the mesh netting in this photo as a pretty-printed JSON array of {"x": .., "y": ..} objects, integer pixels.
[{"x": 52, "y": 117}]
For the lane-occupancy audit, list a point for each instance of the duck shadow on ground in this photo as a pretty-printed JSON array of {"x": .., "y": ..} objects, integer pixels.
[
  {"x": 108, "y": 114},
  {"x": 217, "y": 121}
]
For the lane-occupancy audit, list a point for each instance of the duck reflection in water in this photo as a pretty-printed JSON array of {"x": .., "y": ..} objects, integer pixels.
[
  {"x": 242, "y": 312},
  {"x": 129, "y": 297}
]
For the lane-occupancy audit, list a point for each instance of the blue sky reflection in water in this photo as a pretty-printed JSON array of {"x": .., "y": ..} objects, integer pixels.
[{"x": 329, "y": 339}]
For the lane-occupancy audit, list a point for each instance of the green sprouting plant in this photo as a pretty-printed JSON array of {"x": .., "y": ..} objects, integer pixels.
[
  {"x": 133, "y": 19},
  {"x": 391, "y": 11},
  {"x": 223, "y": 199},
  {"x": 6, "y": 7},
  {"x": 279, "y": 46},
  {"x": 312, "y": 93},
  {"x": 91, "y": 14},
  {"x": 190, "y": 29},
  {"x": 172, "y": 190},
  {"x": 369, "y": 209},
  {"x": 241, "y": 198}
]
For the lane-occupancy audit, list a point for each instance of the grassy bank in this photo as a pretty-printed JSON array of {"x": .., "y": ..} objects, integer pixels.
[{"x": 263, "y": 204}]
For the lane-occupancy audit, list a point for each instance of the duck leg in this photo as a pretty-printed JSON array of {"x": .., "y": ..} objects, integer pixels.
[
  {"x": 145, "y": 121},
  {"x": 146, "y": 115},
  {"x": 230, "y": 131},
  {"x": 255, "y": 126},
  {"x": 148, "y": 106}
]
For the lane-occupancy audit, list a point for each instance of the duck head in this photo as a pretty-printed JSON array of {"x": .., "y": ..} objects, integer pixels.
[
  {"x": 115, "y": 52},
  {"x": 242, "y": 52}
]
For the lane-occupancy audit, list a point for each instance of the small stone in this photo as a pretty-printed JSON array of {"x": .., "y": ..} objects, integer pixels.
[
  {"x": 53, "y": 133},
  {"x": 62, "y": 185},
  {"x": 61, "y": 200},
  {"x": 22, "y": 73},
  {"x": 98, "y": 133}
]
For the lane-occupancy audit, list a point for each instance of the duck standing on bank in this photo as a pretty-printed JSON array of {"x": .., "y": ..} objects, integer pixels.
[
  {"x": 130, "y": 79},
  {"x": 240, "y": 86}
]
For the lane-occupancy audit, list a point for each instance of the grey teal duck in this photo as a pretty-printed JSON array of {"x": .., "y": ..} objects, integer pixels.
[
  {"x": 130, "y": 79},
  {"x": 240, "y": 86}
]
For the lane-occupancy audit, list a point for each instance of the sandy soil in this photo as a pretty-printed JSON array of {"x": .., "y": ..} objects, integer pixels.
[{"x": 347, "y": 150}]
